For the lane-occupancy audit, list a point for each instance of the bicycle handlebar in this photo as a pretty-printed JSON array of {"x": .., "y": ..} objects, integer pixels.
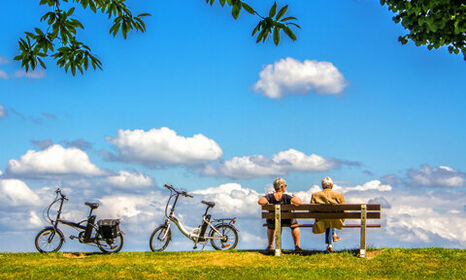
[
  {"x": 187, "y": 194},
  {"x": 183, "y": 193},
  {"x": 58, "y": 191}
]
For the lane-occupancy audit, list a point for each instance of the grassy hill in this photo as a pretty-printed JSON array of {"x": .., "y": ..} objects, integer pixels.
[{"x": 431, "y": 263}]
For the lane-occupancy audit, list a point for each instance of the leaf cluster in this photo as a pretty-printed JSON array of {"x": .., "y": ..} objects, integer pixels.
[
  {"x": 434, "y": 23},
  {"x": 62, "y": 30},
  {"x": 273, "y": 23}
]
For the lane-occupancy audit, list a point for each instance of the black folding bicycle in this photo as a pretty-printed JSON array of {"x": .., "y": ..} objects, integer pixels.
[{"x": 107, "y": 235}]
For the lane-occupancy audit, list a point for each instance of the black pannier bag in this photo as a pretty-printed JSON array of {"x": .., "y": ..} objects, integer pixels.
[{"x": 109, "y": 228}]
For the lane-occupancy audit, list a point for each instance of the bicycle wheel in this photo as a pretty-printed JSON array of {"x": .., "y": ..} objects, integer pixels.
[
  {"x": 49, "y": 240},
  {"x": 160, "y": 238},
  {"x": 109, "y": 245},
  {"x": 225, "y": 239}
]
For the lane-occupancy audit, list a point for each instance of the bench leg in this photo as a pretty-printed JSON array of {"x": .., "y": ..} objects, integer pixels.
[
  {"x": 278, "y": 230},
  {"x": 362, "y": 250}
]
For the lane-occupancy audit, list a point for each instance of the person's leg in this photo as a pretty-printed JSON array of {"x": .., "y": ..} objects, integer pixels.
[
  {"x": 328, "y": 236},
  {"x": 335, "y": 236},
  {"x": 270, "y": 237},
  {"x": 296, "y": 233}
]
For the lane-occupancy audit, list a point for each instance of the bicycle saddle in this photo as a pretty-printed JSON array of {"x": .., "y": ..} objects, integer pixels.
[
  {"x": 209, "y": 203},
  {"x": 92, "y": 205}
]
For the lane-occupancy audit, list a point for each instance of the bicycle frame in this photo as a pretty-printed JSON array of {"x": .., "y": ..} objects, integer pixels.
[
  {"x": 195, "y": 233},
  {"x": 87, "y": 228}
]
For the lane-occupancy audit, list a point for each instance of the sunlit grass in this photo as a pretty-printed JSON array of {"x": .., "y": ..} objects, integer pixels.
[{"x": 431, "y": 263}]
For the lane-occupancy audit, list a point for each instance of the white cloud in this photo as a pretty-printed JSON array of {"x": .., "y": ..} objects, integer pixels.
[
  {"x": 291, "y": 77},
  {"x": 232, "y": 199},
  {"x": 374, "y": 185},
  {"x": 34, "y": 219},
  {"x": 4, "y": 75},
  {"x": 280, "y": 164},
  {"x": 15, "y": 192},
  {"x": 4, "y": 60},
  {"x": 416, "y": 223},
  {"x": 415, "y": 219},
  {"x": 164, "y": 147},
  {"x": 123, "y": 205},
  {"x": 35, "y": 74},
  {"x": 440, "y": 177},
  {"x": 129, "y": 180},
  {"x": 53, "y": 161}
]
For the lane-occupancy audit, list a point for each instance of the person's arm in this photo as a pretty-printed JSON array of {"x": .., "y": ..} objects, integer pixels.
[
  {"x": 263, "y": 201},
  {"x": 296, "y": 201},
  {"x": 342, "y": 199}
]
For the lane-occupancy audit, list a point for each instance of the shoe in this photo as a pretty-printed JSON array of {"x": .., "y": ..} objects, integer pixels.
[
  {"x": 268, "y": 249},
  {"x": 298, "y": 249},
  {"x": 329, "y": 249},
  {"x": 336, "y": 238}
]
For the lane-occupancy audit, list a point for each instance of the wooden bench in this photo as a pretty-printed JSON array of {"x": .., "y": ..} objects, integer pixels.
[{"x": 323, "y": 211}]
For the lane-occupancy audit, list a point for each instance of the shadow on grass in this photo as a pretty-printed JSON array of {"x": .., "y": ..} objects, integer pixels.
[
  {"x": 353, "y": 252},
  {"x": 80, "y": 255}
]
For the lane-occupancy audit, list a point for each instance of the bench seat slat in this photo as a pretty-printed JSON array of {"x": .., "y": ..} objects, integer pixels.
[
  {"x": 304, "y": 215},
  {"x": 345, "y": 226},
  {"x": 324, "y": 207}
]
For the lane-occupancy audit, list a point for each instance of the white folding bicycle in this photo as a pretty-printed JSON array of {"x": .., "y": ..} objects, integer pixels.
[{"x": 223, "y": 235}]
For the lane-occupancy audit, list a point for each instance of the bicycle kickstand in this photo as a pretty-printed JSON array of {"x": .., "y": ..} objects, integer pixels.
[{"x": 205, "y": 243}]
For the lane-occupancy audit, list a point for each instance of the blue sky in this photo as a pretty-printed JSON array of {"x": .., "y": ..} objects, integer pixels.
[{"x": 387, "y": 109}]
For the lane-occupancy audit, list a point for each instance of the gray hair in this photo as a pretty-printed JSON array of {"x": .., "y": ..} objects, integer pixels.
[
  {"x": 279, "y": 183},
  {"x": 327, "y": 183}
]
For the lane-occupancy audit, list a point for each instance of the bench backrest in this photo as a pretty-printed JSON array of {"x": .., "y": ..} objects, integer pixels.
[{"x": 322, "y": 211}]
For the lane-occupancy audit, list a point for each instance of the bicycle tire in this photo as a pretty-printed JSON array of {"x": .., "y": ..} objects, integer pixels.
[
  {"x": 157, "y": 234},
  {"x": 107, "y": 247},
  {"x": 45, "y": 234},
  {"x": 230, "y": 241}
]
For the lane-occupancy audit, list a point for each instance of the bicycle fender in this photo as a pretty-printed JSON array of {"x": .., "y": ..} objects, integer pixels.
[
  {"x": 57, "y": 230},
  {"x": 217, "y": 225}
]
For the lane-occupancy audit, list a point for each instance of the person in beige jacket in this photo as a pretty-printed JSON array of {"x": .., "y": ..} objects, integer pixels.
[{"x": 328, "y": 196}]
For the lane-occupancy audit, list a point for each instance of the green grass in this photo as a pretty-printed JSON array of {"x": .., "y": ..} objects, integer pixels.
[{"x": 430, "y": 263}]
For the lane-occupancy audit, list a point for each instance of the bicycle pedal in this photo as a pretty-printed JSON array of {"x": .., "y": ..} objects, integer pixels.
[{"x": 73, "y": 237}]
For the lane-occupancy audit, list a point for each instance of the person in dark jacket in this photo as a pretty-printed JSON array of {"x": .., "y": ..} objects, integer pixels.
[{"x": 281, "y": 197}]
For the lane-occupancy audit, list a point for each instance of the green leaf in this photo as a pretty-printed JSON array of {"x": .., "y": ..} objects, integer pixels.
[
  {"x": 276, "y": 35},
  {"x": 288, "y": 18},
  {"x": 70, "y": 12},
  {"x": 41, "y": 63},
  {"x": 273, "y": 10},
  {"x": 292, "y": 23},
  {"x": 248, "y": 8},
  {"x": 281, "y": 12},
  {"x": 235, "y": 11},
  {"x": 256, "y": 28},
  {"x": 289, "y": 33}
]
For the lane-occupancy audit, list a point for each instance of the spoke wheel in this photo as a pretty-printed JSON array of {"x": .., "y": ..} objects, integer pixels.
[
  {"x": 110, "y": 245},
  {"x": 159, "y": 240},
  {"x": 49, "y": 240},
  {"x": 225, "y": 239}
]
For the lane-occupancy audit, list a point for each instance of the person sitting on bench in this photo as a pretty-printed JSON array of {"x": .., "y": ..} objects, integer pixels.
[
  {"x": 280, "y": 197},
  {"x": 328, "y": 196}
]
